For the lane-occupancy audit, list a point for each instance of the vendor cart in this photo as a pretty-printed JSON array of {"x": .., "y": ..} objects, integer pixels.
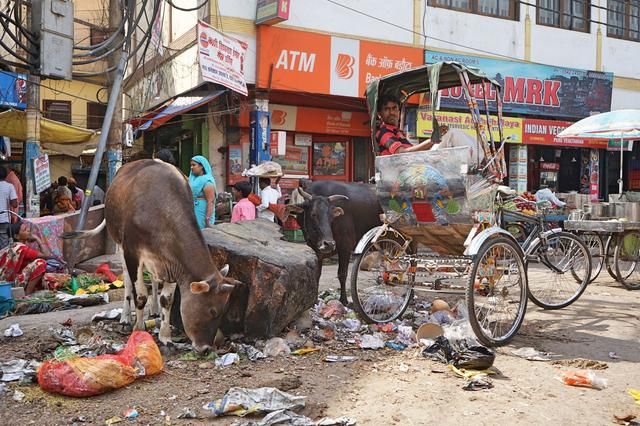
[{"x": 620, "y": 242}]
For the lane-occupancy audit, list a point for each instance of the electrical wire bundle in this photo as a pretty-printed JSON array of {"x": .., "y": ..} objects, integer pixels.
[{"x": 12, "y": 22}]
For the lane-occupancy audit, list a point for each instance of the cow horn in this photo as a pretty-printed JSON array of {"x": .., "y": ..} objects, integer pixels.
[
  {"x": 304, "y": 194},
  {"x": 336, "y": 197}
]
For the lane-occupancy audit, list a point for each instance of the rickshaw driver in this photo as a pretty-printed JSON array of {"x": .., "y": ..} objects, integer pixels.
[{"x": 389, "y": 138}]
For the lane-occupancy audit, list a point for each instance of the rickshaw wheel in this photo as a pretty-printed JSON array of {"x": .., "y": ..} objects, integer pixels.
[
  {"x": 382, "y": 281},
  {"x": 626, "y": 258},
  {"x": 609, "y": 249},
  {"x": 595, "y": 243},
  {"x": 497, "y": 291}
]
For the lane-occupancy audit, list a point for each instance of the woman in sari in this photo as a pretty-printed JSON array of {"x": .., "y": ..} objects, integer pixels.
[
  {"x": 22, "y": 264},
  {"x": 203, "y": 188}
]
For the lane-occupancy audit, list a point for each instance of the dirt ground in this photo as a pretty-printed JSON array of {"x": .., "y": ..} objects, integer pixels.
[{"x": 383, "y": 387}]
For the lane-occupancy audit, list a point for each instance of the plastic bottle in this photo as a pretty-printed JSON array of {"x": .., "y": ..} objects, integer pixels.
[{"x": 74, "y": 283}]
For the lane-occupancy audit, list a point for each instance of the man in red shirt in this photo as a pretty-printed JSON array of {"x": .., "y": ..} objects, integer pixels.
[{"x": 389, "y": 138}]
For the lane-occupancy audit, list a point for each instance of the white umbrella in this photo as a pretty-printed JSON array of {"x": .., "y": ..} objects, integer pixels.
[{"x": 623, "y": 124}]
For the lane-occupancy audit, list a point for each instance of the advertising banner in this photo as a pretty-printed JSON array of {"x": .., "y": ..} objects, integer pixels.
[
  {"x": 269, "y": 12},
  {"x": 543, "y": 132},
  {"x": 221, "y": 58},
  {"x": 320, "y": 63},
  {"x": 529, "y": 88},
  {"x": 511, "y": 127},
  {"x": 13, "y": 90},
  {"x": 42, "y": 178}
]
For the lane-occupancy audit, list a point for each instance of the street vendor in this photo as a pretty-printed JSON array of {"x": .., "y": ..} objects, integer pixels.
[
  {"x": 22, "y": 264},
  {"x": 389, "y": 138}
]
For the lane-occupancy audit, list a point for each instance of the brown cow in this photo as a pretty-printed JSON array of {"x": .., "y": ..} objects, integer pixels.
[{"x": 149, "y": 214}]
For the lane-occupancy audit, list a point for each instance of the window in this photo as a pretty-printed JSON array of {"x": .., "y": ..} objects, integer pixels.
[
  {"x": 98, "y": 35},
  {"x": 507, "y": 9},
  {"x": 566, "y": 14},
  {"x": 95, "y": 115},
  {"x": 58, "y": 110},
  {"x": 623, "y": 19}
]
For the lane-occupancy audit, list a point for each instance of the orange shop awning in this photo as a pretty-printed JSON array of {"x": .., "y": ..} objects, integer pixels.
[{"x": 180, "y": 105}]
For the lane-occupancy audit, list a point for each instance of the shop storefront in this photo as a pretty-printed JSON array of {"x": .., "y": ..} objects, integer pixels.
[
  {"x": 539, "y": 101},
  {"x": 316, "y": 85}
]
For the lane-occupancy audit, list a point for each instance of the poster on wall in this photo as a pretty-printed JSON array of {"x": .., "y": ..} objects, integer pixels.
[
  {"x": 594, "y": 176},
  {"x": 42, "y": 175},
  {"x": 296, "y": 159},
  {"x": 13, "y": 90},
  {"x": 534, "y": 89},
  {"x": 329, "y": 158},
  {"x": 235, "y": 164},
  {"x": 221, "y": 58}
]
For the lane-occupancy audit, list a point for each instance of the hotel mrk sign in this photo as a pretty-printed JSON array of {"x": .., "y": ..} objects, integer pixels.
[{"x": 532, "y": 88}]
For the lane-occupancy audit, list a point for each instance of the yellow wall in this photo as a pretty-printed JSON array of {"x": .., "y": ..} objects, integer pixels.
[{"x": 78, "y": 92}]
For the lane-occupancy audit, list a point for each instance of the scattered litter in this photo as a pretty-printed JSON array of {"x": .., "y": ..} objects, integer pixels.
[
  {"x": 3, "y": 388},
  {"x": 304, "y": 351},
  {"x": 469, "y": 374},
  {"x": 613, "y": 355},
  {"x": 371, "y": 341},
  {"x": 624, "y": 420},
  {"x": 64, "y": 336},
  {"x": 340, "y": 358},
  {"x": 429, "y": 331},
  {"x": 635, "y": 394},
  {"x": 396, "y": 346},
  {"x": 333, "y": 309},
  {"x": 587, "y": 379},
  {"x": 19, "y": 369},
  {"x": 581, "y": 363},
  {"x": 112, "y": 315},
  {"x": 187, "y": 413},
  {"x": 227, "y": 359},
  {"x": 531, "y": 354},
  {"x": 131, "y": 413},
  {"x": 403, "y": 368},
  {"x": 387, "y": 327},
  {"x": 18, "y": 396},
  {"x": 406, "y": 335},
  {"x": 352, "y": 324},
  {"x": 113, "y": 420},
  {"x": 478, "y": 382},
  {"x": 79, "y": 419},
  {"x": 338, "y": 421},
  {"x": 439, "y": 305},
  {"x": 243, "y": 401},
  {"x": 13, "y": 331},
  {"x": 251, "y": 352},
  {"x": 276, "y": 346},
  {"x": 194, "y": 356},
  {"x": 460, "y": 355},
  {"x": 281, "y": 417},
  {"x": 174, "y": 363}
]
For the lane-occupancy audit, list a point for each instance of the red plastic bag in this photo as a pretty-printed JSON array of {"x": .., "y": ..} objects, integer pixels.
[
  {"x": 81, "y": 377},
  {"x": 106, "y": 272}
]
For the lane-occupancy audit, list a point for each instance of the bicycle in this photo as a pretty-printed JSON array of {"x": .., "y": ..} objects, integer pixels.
[{"x": 551, "y": 255}]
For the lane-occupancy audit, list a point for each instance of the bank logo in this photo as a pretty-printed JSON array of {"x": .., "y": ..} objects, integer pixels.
[{"x": 344, "y": 66}]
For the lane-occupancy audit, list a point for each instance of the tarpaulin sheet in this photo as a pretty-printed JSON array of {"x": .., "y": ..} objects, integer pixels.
[{"x": 55, "y": 136}]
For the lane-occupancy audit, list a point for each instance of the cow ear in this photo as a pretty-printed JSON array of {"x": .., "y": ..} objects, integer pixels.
[
  {"x": 199, "y": 287},
  {"x": 225, "y": 270},
  {"x": 337, "y": 211}
]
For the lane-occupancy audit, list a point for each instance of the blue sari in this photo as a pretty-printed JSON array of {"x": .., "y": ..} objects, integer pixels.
[{"x": 197, "y": 184}]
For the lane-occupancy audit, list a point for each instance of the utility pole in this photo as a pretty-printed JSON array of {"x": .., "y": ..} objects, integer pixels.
[
  {"x": 32, "y": 144},
  {"x": 114, "y": 142}
]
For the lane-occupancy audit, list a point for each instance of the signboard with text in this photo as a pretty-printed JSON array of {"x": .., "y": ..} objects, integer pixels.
[
  {"x": 269, "y": 12},
  {"x": 221, "y": 58},
  {"x": 511, "y": 127},
  {"x": 543, "y": 132},
  {"x": 42, "y": 175},
  {"x": 529, "y": 88},
  {"x": 320, "y": 63},
  {"x": 13, "y": 90}
]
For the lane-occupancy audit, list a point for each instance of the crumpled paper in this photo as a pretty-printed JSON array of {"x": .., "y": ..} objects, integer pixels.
[
  {"x": 19, "y": 369},
  {"x": 372, "y": 341},
  {"x": 243, "y": 401},
  {"x": 64, "y": 336},
  {"x": 531, "y": 354},
  {"x": 251, "y": 352},
  {"x": 227, "y": 359},
  {"x": 280, "y": 417}
]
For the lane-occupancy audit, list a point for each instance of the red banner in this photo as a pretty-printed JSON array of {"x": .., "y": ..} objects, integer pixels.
[{"x": 543, "y": 132}]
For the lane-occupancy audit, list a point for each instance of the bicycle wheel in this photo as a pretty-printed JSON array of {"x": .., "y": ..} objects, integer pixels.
[
  {"x": 609, "y": 249},
  {"x": 626, "y": 258},
  {"x": 596, "y": 249},
  {"x": 558, "y": 270},
  {"x": 497, "y": 291},
  {"x": 382, "y": 281}
]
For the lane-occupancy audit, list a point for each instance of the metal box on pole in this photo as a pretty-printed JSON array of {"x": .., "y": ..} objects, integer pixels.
[
  {"x": 53, "y": 21},
  {"x": 260, "y": 125}
]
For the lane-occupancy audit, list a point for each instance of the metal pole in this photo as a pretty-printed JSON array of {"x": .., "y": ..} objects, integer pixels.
[
  {"x": 32, "y": 145},
  {"x": 114, "y": 96},
  {"x": 620, "y": 183}
]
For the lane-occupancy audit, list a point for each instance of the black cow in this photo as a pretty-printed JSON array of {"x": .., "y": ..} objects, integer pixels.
[{"x": 333, "y": 218}]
